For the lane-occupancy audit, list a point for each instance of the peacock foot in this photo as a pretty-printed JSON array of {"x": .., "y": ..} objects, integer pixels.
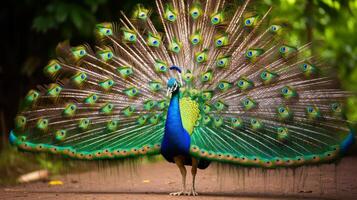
[
  {"x": 192, "y": 192},
  {"x": 178, "y": 193}
]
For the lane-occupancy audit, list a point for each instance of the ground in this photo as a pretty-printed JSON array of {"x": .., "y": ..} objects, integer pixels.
[{"x": 155, "y": 180}]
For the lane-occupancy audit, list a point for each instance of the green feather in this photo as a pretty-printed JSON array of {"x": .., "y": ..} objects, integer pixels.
[
  {"x": 52, "y": 68},
  {"x": 207, "y": 76},
  {"x": 60, "y": 135},
  {"x": 84, "y": 123},
  {"x": 91, "y": 99},
  {"x": 125, "y": 71},
  {"x": 288, "y": 92},
  {"x": 54, "y": 90},
  {"x": 170, "y": 14},
  {"x": 69, "y": 110},
  {"x": 131, "y": 92},
  {"x": 217, "y": 18},
  {"x": 160, "y": 66},
  {"x": 107, "y": 108},
  {"x": 153, "y": 40},
  {"x": 129, "y": 35},
  {"x": 20, "y": 122},
  {"x": 196, "y": 10},
  {"x": 155, "y": 86},
  {"x": 78, "y": 52},
  {"x": 201, "y": 57},
  {"x": 104, "y": 30},
  {"x": 106, "y": 84}
]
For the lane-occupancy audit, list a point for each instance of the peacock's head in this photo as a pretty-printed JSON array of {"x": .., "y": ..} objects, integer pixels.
[{"x": 172, "y": 86}]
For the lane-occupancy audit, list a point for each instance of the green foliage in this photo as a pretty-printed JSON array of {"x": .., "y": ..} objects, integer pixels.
[{"x": 67, "y": 15}]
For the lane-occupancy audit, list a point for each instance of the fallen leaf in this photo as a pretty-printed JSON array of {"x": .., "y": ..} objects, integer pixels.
[{"x": 55, "y": 182}]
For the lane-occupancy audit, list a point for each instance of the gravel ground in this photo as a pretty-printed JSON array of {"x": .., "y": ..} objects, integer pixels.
[{"x": 155, "y": 180}]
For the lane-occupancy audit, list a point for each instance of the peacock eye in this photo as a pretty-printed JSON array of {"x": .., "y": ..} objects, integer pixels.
[
  {"x": 283, "y": 49},
  {"x": 264, "y": 74},
  {"x": 219, "y": 42},
  {"x": 215, "y": 19},
  {"x": 285, "y": 90},
  {"x": 281, "y": 110},
  {"x": 94, "y": 97},
  {"x": 108, "y": 31},
  {"x": 110, "y": 82},
  {"x": 304, "y": 66},
  {"x": 81, "y": 52},
  {"x": 310, "y": 109},
  {"x": 171, "y": 17},
  {"x": 250, "y": 53},
  {"x": 155, "y": 42},
  {"x": 247, "y": 21},
  {"x": 241, "y": 83}
]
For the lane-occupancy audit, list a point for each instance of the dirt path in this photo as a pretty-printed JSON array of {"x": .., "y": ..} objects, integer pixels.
[{"x": 156, "y": 180}]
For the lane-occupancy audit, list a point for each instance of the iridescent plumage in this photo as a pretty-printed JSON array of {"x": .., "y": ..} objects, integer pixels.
[{"x": 240, "y": 95}]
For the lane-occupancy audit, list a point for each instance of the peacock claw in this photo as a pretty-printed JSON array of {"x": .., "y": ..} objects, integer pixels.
[
  {"x": 177, "y": 193},
  {"x": 192, "y": 193}
]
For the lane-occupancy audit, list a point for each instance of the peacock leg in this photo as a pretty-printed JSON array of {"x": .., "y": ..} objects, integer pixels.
[
  {"x": 179, "y": 160},
  {"x": 194, "y": 172}
]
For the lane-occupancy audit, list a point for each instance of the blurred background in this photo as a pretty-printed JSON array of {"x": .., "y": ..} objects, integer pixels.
[{"x": 31, "y": 29}]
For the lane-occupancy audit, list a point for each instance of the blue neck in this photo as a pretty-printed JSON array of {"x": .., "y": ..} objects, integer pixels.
[
  {"x": 176, "y": 140},
  {"x": 173, "y": 114}
]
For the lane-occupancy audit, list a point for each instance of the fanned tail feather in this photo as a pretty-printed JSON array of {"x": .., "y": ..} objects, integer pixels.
[{"x": 261, "y": 101}]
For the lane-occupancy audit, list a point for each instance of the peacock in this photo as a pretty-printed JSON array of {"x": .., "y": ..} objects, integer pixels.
[{"x": 204, "y": 83}]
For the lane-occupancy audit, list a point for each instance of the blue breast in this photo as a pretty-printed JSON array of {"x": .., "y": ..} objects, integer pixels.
[{"x": 176, "y": 140}]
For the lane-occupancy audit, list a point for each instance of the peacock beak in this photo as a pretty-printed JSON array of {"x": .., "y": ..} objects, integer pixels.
[
  {"x": 171, "y": 89},
  {"x": 168, "y": 92}
]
